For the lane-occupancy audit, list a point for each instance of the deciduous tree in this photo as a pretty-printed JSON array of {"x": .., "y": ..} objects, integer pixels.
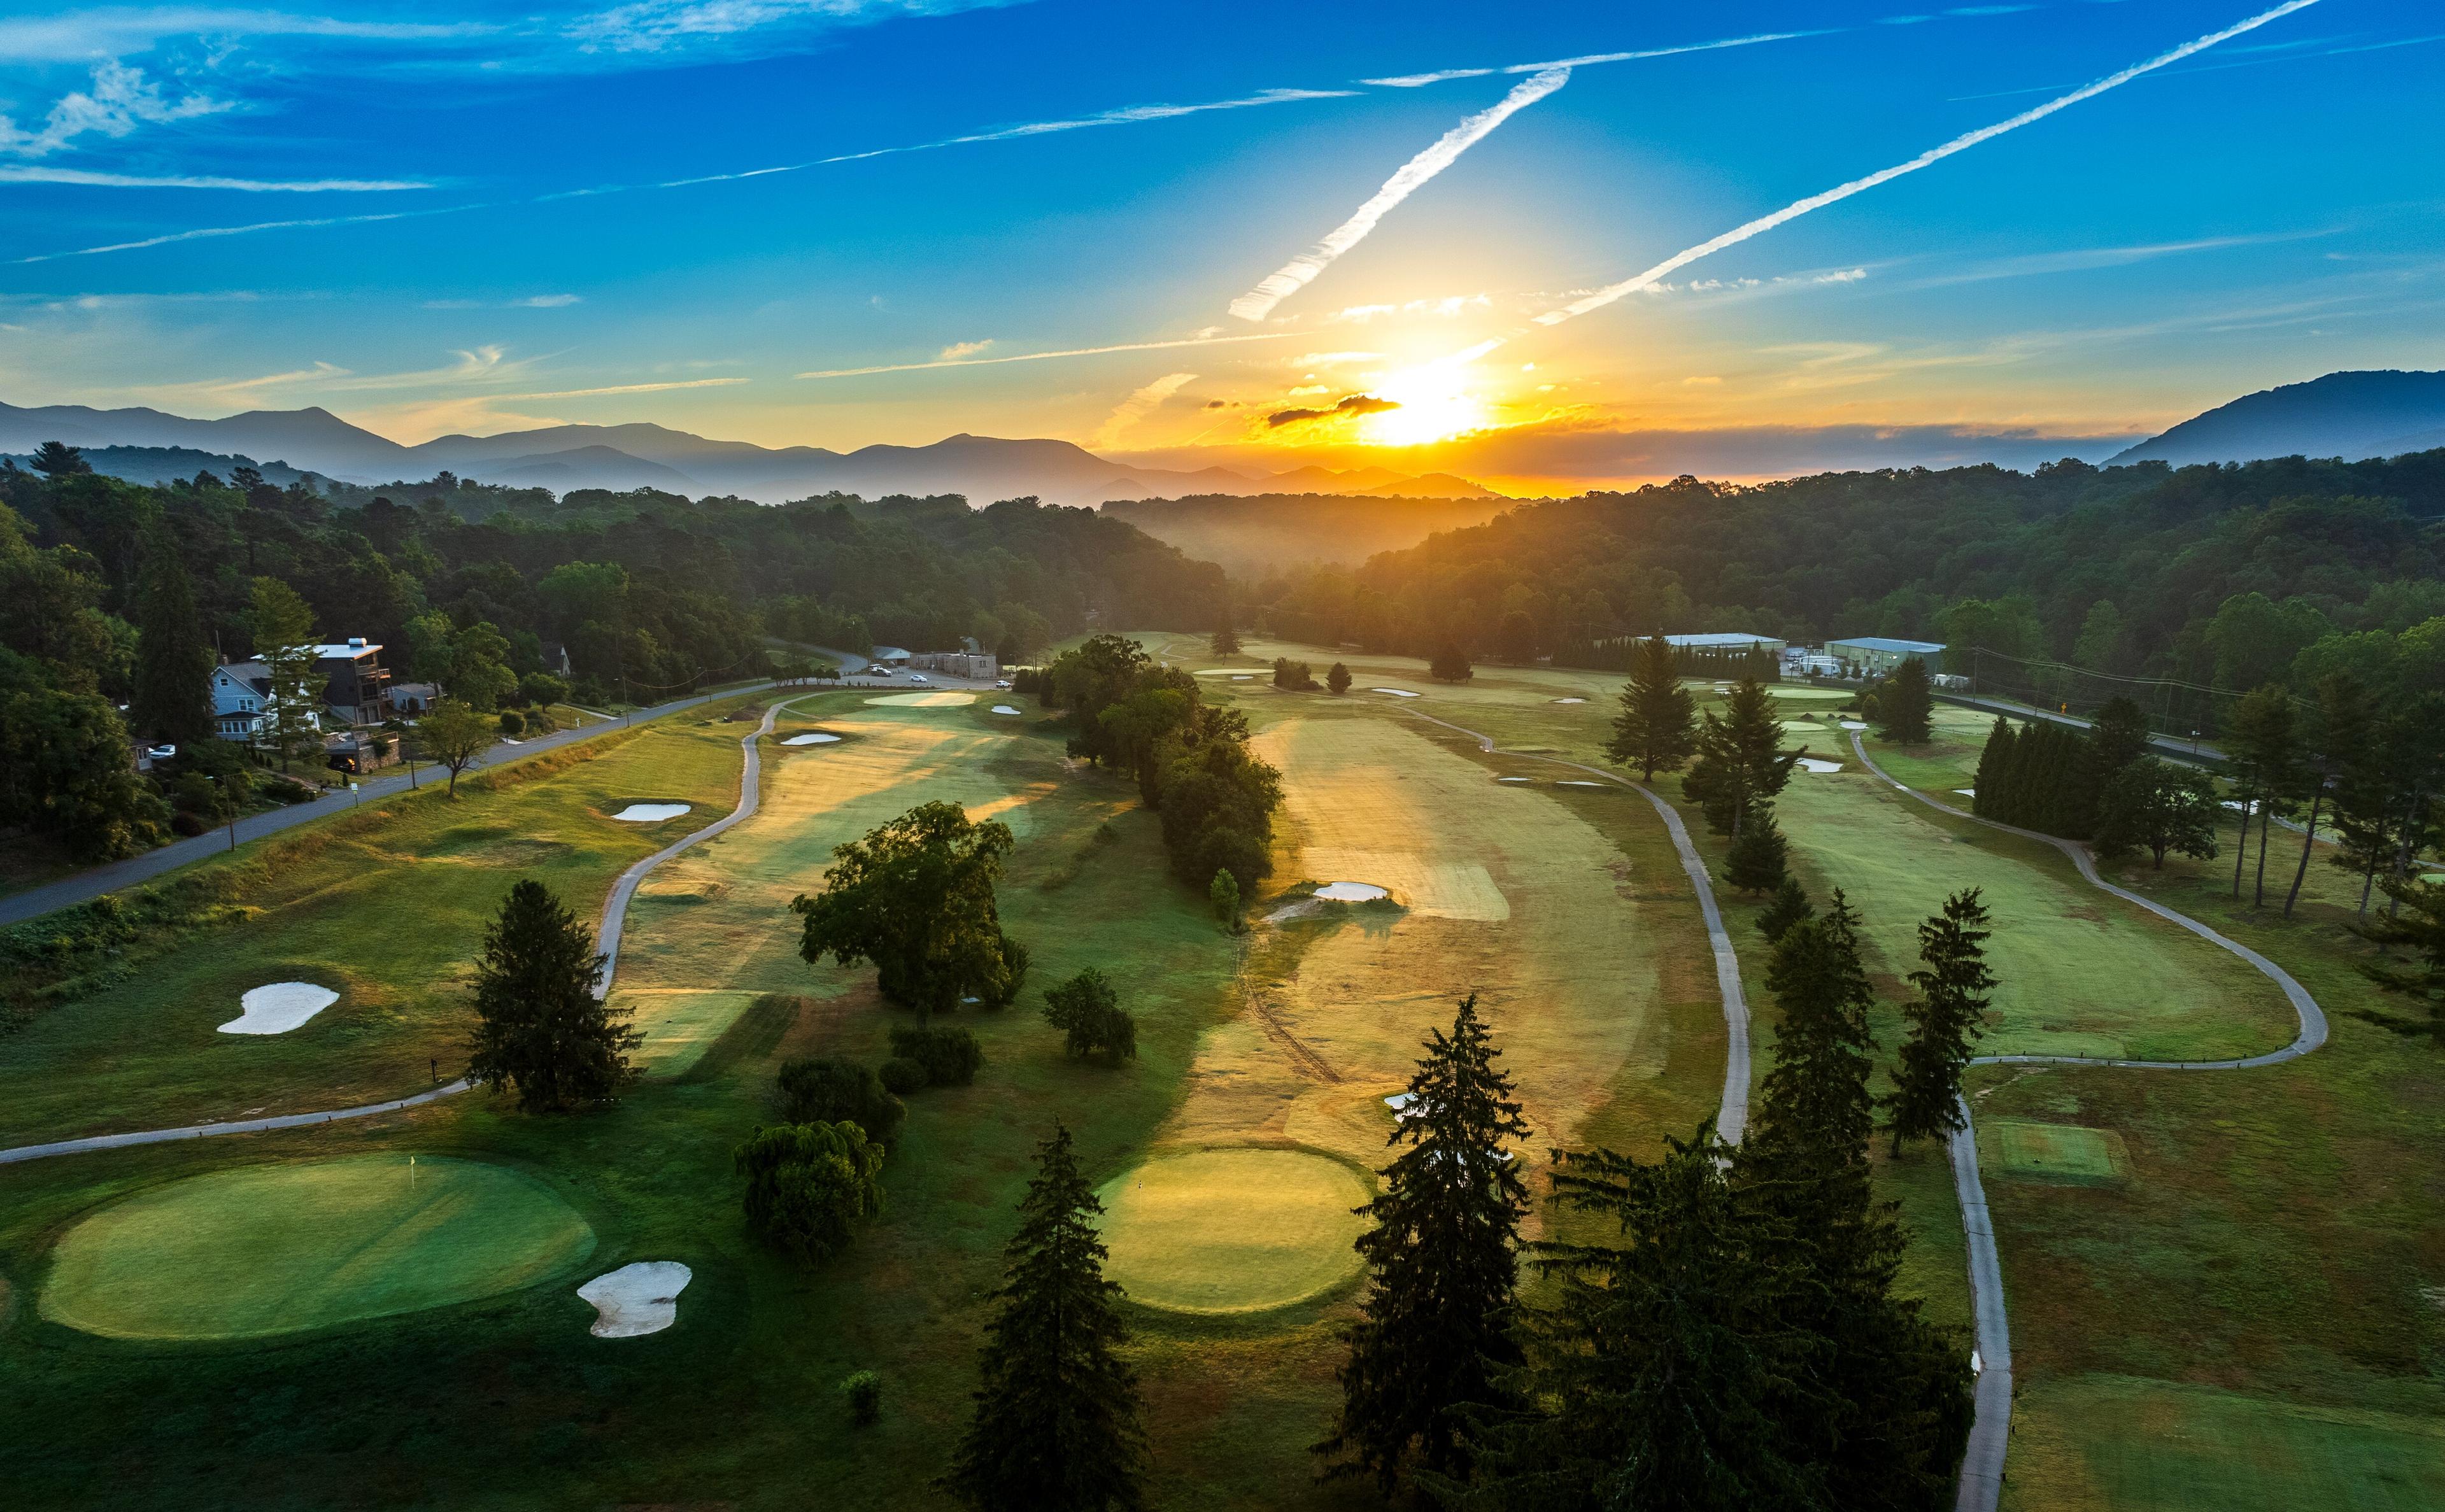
[
  {"x": 916, "y": 897},
  {"x": 809, "y": 1185},
  {"x": 2158, "y": 807},
  {"x": 1451, "y": 665},
  {"x": 455, "y": 735},
  {"x": 1088, "y": 1012},
  {"x": 282, "y": 628}
]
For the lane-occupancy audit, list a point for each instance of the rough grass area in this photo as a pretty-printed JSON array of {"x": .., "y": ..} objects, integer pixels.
[
  {"x": 386, "y": 905},
  {"x": 281, "y": 1249},
  {"x": 2110, "y": 1442},
  {"x": 1226, "y": 1231}
]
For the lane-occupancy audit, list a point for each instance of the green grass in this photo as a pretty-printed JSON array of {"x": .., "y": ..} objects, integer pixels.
[
  {"x": 1225, "y": 1231},
  {"x": 386, "y": 905},
  {"x": 2107, "y": 1441},
  {"x": 281, "y": 1249},
  {"x": 2055, "y": 1152}
]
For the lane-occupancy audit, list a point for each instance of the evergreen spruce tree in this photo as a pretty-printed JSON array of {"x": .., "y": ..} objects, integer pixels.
[
  {"x": 1758, "y": 861},
  {"x": 1992, "y": 792},
  {"x": 1435, "y": 1328},
  {"x": 2345, "y": 723},
  {"x": 282, "y": 628},
  {"x": 539, "y": 1026},
  {"x": 1905, "y": 704},
  {"x": 1790, "y": 906},
  {"x": 173, "y": 697},
  {"x": 1740, "y": 757},
  {"x": 1337, "y": 679},
  {"x": 1881, "y": 1410},
  {"x": 2119, "y": 736},
  {"x": 1658, "y": 727},
  {"x": 1948, "y": 1015},
  {"x": 2264, "y": 750},
  {"x": 1226, "y": 634},
  {"x": 1056, "y": 1425}
]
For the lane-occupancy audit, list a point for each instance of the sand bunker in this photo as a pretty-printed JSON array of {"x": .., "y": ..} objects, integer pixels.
[
  {"x": 1570, "y": 700},
  {"x": 637, "y": 1299},
  {"x": 1351, "y": 892},
  {"x": 1811, "y": 764},
  {"x": 1398, "y": 692},
  {"x": 279, "y": 1007},
  {"x": 939, "y": 700},
  {"x": 1966, "y": 792},
  {"x": 1855, "y": 724},
  {"x": 811, "y": 738},
  {"x": 1515, "y": 780},
  {"x": 1580, "y": 782},
  {"x": 1004, "y": 708},
  {"x": 650, "y": 813},
  {"x": 1433, "y": 889}
]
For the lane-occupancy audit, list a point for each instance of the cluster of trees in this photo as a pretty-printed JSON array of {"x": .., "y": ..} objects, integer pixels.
[
  {"x": 2128, "y": 571},
  {"x": 1087, "y": 1009},
  {"x": 2097, "y": 784},
  {"x": 1190, "y": 758},
  {"x": 1733, "y": 1339},
  {"x": 115, "y": 593}
]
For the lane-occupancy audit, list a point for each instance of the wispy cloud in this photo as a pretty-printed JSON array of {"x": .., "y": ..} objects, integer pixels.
[
  {"x": 2085, "y": 258},
  {"x": 650, "y": 26},
  {"x": 206, "y": 233},
  {"x": 23, "y": 174},
  {"x": 1611, "y": 293},
  {"x": 1413, "y": 80},
  {"x": 627, "y": 388},
  {"x": 72, "y": 36},
  {"x": 1299, "y": 272},
  {"x": 1040, "y": 357},
  {"x": 531, "y": 302},
  {"x": 119, "y": 100},
  {"x": 1138, "y": 407},
  {"x": 959, "y": 349}
]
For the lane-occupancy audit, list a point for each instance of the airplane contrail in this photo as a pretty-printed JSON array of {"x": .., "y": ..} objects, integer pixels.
[
  {"x": 1296, "y": 274},
  {"x": 1413, "y": 80},
  {"x": 1962, "y": 144},
  {"x": 1038, "y": 357}
]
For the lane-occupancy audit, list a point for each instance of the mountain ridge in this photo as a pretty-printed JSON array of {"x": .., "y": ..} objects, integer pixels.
[{"x": 2354, "y": 414}]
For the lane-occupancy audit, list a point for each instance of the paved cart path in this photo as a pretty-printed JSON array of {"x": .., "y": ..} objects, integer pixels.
[
  {"x": 1982, "y": 1467},
  {"x": 615, "y": 911}
]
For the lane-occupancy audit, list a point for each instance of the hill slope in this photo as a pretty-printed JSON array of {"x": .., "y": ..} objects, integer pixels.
[{"x": 2347, "y": 414}]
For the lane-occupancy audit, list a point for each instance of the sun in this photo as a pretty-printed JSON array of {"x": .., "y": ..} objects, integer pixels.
[{"x": 1436, "y": 405}]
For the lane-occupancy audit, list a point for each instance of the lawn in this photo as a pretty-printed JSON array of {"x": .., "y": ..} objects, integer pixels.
[{"x": 386, "y": 906}]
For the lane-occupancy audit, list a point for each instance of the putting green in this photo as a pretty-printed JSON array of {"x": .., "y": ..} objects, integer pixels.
[
  {"x": 1232, "y": 1230},
  {"x": 278, "y": 1249},
  {"x": 944, "y": 699}
]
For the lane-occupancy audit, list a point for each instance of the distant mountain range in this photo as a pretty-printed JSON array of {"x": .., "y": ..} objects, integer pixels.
[
  {"x": 562, "y": 457},
  {"x": 2347, "y": 414}
]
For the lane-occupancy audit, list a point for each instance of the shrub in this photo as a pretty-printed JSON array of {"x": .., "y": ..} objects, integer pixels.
[
  {"x": 807, "y": 1183},
  {"x": 863, "y": 1391},
  {"x": 1337, "y": 678},
  {"x": 513, "y": 723},
  {"x": 817, "y": 1091},
  {"x": 288, "y": 790},
  {"x": 541, "y": 688},
  {"x": 1224, "y": 893},
  {"x": 1451, "y": 665},
  {"x": 185, "y": 823},
  {"x": 902, "y": 1075},
  {"x": 948, "y": 1057},
  {"x": 1089, "y": 1011}
]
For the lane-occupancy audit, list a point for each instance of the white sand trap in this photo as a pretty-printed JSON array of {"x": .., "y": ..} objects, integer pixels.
[
  {"x": 1004, "y": 708},
  {"x": 1351, "y": 892},
  {"x": 1855, "y": 724},
  {"x": 637, "y": 1299},
  {"x": 1570, "y": 700},
  {"x": 1243, "y": 676},
  {"x": 1398, "y": 692},
  {"x": 1434, "y": 889},
  {"x": 650, "y": 813},
  {"x": 811, "y": 738},
  {"x": 1515, "y": 780},
  {"x": 1811, "y": 764},
  {"x": 279, "y": 1008},
  {"x": 1580, "y": 782},
  {"x": 1966, "y": 792}
]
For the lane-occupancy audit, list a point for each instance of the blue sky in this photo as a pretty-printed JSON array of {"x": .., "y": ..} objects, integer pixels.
[{"x": 2262, "y": 212}]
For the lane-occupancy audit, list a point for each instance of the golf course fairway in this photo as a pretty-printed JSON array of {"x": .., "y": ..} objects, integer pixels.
[
  {"x": 1232, "y": 1230},
  {"x": 280, "y": 1250}
]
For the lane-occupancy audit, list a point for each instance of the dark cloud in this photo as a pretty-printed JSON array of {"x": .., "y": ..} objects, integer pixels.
[{"x": 1354, "y": 404}]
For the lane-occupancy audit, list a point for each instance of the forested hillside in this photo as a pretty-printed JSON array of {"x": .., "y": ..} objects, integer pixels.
[
  {"x": 2215, "y": 574},
  {"x": 1256, "y": 534},
  {"x": 116, "y": 595}
]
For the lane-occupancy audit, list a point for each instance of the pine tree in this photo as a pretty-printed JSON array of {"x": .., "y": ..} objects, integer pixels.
[
  {"x": 1056, "y": 1424},
  {"x": 1656, "y": 1377},
  {"x": 1442, "y": 1263},
  {"x": 2119, "y": 736},
  {"x": 174, "y": 666},
  {"x": 1740, "y": 757},
  {"x": 540, "y": 1025},
  {"x": 2264, "y": 757},
  {"x": 282, "y": 628},
  {"x": 1337, "y": 679},
  {"x": 1790, "y": 906},
  {"x": 1759, "y": 859},
  {"x": 1905, "y": 704},
  {"x": 1226, "y": 634},
  {"x": 1882, "y": 1411},
  {"x": 2416, "y": 922},
  {"x": 1658, "y": 727},
  {"x": 1949, "y": 1014},
  {"x": 1992, "y": 796},
  {"x": 2346, "y": 724}
]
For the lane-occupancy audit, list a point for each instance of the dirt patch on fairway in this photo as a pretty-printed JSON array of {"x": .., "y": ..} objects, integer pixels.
[{"x": 1234, "y": 1230}]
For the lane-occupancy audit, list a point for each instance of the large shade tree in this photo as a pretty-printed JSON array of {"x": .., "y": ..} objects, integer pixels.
[{"x": 915, "y": 897}]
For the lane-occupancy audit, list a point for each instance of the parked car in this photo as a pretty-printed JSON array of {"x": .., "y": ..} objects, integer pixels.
[
  {"x": 916, "y": 677},
  {"x": 1003, "y": 683}
]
